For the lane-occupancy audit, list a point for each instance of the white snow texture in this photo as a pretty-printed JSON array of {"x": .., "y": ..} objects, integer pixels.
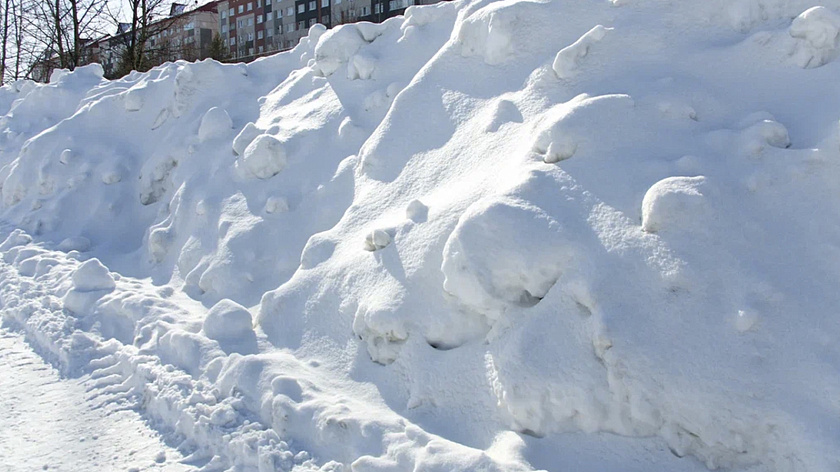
[{"x": 487, "y": 235}]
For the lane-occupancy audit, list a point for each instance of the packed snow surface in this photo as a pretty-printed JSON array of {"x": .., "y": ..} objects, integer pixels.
[{"x": 499, "y": 236}]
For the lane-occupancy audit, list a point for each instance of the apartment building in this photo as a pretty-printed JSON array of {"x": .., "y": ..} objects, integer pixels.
[
  {"x": 251, "y": 28},
  {"x": 183, "y": 34}
]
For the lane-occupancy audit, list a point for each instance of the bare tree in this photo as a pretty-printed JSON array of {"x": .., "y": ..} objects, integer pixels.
[
  {"x": 4, "y": 41},
  {"x": 142, "y": 16},
  {"x": 48, "y": 34}
]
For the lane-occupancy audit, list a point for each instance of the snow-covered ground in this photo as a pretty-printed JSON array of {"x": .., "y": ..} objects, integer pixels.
[
  {"x": 512, "y": 235},
  {"x": 50, "y": 423}
]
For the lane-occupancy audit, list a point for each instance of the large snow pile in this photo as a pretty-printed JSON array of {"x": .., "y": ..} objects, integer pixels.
[{"x": 513, "y": 235}]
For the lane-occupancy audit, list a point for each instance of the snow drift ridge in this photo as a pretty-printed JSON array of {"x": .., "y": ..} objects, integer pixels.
[{"x": 455, "y": 240}]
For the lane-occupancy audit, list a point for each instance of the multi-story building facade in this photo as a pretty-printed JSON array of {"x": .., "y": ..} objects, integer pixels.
[
  {"x": 183, "y": 35},
  {"x": 248, "y": 28},
  {"x": 252, "y": 28}
]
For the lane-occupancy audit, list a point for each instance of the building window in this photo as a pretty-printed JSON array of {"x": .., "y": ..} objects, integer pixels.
[
  {"x": 251, "y": 21},
  {"x": 231, "y": 12},
  {"x": 311, "y": 21},
  {"x": 224, "y": 28},
  {"x": 259, "y": 3},
  {"x": 337, "y": 2},
  {"x": 241, "y": 8},
  {"x": 325, "y": 3},
  {"x": 241, "y": 23},
  {"x": 269, "y": 32},
  {"x": 377, "y": 9},
  {"x": 279, "y": 14},
  {"x": 325, "y": 20},
  {"x": 313, "y": 5},
  {"x": 365, "y": 11},
  {"x": 259, "y": 34},
  {"x": 250, "y": 36},
  {"x": 233, "y": 40},
  {"x": 290, "y": 27},
  {"x": 301, "y": 25},
  {"x": 259, "y": 19},
  {"x": 290, "y": 11},
  {"x": 260, "y": 49},
  {"x": 250, "y": 6},
  {"x": 224, "y": 14}
]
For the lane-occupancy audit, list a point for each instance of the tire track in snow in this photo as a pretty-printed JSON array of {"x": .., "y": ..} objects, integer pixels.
[
  {"x": 214, "y": 432},
  {"x": 48, "y": 424}
]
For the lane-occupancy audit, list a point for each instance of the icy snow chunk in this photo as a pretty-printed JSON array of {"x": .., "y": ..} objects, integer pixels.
[
  {"x": 488, "y": 32},
  {"x": 416, "y": 211},
  {"x": 244, "y": 138},
  {"x": 568, "y": 59},
  {"x": 79, "y": 243},
  {"x": 91, "y": 276},
  {"x": 559, "y": 150},
  {"x": 382, "y": 331},
  {"x": 377, "y": 239},
  {"x": 216, "y": 122},
  {"x": 336, "y": 47},
  {"x": 817, "y": 31},
  {"x": 15, "y": 239},
  {"x": 90, "y": 281},
  {"x": 288, "y": 386},
  {"x": 745, "y": 320},
  {"x": 58, "y": 74},
  {"x": 134, "y": 99},
  {"x": 276, "y": 205},
  {"x": 265, "y": 157},
  {"x": 66, "y": 156},
  {"x": 673, "y": 203},
  {"x": 566, "y": 125},
  {"x": 360, "y": 67},
  {"x": 228, "y": 320},
  {"x": 765, "y": 133},
  {"x": 159, "y": 242},
  {"x": 505, "y": 252}
]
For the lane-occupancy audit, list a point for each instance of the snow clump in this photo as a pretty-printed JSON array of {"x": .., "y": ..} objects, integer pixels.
[
  {"x": 216, "y": 122},
  {"x": 91, "y": 276},
  {"x": 90, "y": 282},
  {"x": 673, "y": 203},
  {"x": 264, "y": 157},
  {"x": 817, "y": 35},
  {"x": 244, "y": 138},
  {"x": 228, "y": 320},
  {"x": 568, "y": 59},
  {"x": 336, "y": 47},
  {"x": 376, "y": 240}
]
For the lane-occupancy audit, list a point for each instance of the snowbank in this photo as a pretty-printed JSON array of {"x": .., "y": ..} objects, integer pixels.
[{"x": 513, "y": 235}]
